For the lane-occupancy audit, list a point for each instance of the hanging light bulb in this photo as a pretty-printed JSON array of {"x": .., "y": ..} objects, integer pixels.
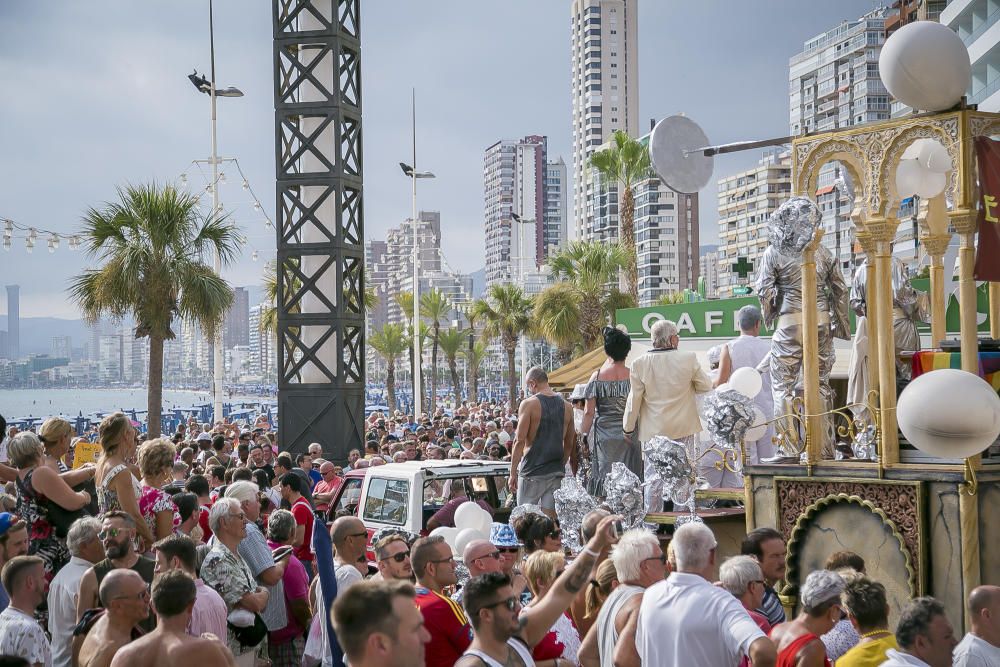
[
  {"x": 218, "y": 209},
  {"x": 54, "y": 241},
  {"x": 267, "y": 223},
  {"x": 6, "y": 242},
  {"x": 29, "y": 245},
  {"x": 256, "y": 206},
  {"x": 246, "y": 186},
  {"x": 208, "y": 188},
  {"x": 8, "y": 227},
  {"x": 222, "y": 178},
  {"x": 33, "y": 235},
  {"x": 184, "y": 179},
  {"x": 253, "y": 256},
  {"x": 52, "y": 247}
]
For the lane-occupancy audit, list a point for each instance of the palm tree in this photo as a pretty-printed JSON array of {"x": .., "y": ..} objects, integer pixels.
[
  {"x": 589, "y": 267},
  {"x": 434, "y": 306},
  {"x": 452, "y": 342},
  {"x": 670, "y": 298},
  {"x": 506, "y": 311},
  {"x": 557, "y": 316},
  {"x": 624, "y": 163},
  {"x": 150, "y": 243},
  {"x": 390, "y": 341},
  {"x": 405, "y": 302},
  {"x": 371, "y": 295},
  {"x": 474, "y": 356}
]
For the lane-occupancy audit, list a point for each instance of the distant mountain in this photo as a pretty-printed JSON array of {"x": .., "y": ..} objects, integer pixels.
[
  {"x": 478, "y": 282},
  {"x": 707, "y": 248},
  {"x": 37, "y": 333}
]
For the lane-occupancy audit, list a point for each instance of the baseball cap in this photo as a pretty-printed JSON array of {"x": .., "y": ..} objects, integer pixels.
[
  {"x": 6, "y": 521},
  {"x": 202, "y": 437}
]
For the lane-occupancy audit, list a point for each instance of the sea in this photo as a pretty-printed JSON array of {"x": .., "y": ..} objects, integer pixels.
[{"x": 22, "y": 403}]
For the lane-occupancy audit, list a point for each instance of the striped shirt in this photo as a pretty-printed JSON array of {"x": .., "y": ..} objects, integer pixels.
[
  {"x": 448, "y": 626},
  {"x": 771, "y": 607}
]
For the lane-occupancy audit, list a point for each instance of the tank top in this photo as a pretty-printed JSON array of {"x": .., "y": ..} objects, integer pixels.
[
  {"x": 518, "y": 647},
  {"x": 789, "y": 655},
  {"x": 144, "y": 567},
  {"x": 607, "y": 636},
  {"x": 544, "y": 457}
]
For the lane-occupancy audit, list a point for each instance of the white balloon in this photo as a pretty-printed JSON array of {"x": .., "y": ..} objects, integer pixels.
[
  {"x": 464, "y": 537},
  {"x": 759, "y": 428},
  {"x": 931, "y": 183},
  {"x": 933, "y": 156},
  {"x": 449, "y": 534},
  {"x": 908, "y": 177},
  {"x": 485, "y": 521},
  {"x": 467, "y": 516},
  {"x": 925, "y": 65},
  {"x": 723, "y": 387},
  {"x": 949, "y": 413},
  {"x": 747, "y": 381}
]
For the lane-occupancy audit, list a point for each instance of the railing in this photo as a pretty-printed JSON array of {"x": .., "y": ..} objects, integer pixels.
[{"x": 983, "y": 27}]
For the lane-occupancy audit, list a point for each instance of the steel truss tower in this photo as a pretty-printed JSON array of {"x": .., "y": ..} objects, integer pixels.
[{"x": 320, "y": 228}]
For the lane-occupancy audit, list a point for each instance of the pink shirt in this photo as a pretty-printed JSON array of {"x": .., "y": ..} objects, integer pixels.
[
  {"x": 209, "y": 612},
  {"x": 296, "y": 584},
  {"x": 324, "y": 486}
]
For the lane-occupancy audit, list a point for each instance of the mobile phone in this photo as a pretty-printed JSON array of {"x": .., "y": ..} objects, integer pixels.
[
  {"x": 281, "y": 553},
  {"x": 618, "y": 529}
]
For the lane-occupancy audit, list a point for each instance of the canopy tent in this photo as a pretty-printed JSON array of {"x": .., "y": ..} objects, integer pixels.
[{"x": 580, "y": 369}]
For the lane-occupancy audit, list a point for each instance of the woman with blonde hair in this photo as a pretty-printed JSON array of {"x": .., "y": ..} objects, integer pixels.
[
  {"x": 560, "y": 646},
  {"x": 57, "y": 435},
  {"x": 117, "y": 486},
  {"x": 39, "y": 490},
  {"x": 605, "y": 580},
  {"x": 156, "y": 463}
]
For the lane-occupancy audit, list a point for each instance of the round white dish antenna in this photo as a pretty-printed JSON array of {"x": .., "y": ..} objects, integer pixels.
[{"x": 676, "y": 151}]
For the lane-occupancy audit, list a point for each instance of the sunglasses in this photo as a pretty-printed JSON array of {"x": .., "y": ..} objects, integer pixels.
[
  {"x": 495, "y": 555},
  {"x": 111, "y": 533},
  {"x": 144, "y": 595},
  {"x": 449, "y": 559},
  {"x": 365, "y": 535},
  {"x": 400, "y": 557},
  {"x": 509, "y": 603},
  {"x": 662, "y": 558},
  {"x": 508, "y": 550}
]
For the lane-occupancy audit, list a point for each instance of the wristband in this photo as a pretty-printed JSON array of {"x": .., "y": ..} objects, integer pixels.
[{"x": 588, "y": 550}]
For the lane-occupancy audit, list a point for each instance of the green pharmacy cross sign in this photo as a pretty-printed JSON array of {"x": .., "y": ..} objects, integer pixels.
[{"x": 742, "y": 267}]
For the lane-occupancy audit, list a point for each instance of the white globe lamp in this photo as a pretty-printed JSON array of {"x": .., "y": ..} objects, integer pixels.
[
  {"x": 925, "y": 65},
  {"x": 949, "y": 413}
]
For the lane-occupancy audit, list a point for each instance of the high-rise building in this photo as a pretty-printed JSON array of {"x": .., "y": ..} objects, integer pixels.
[
  {"x": 62, "y": 346},
  {"x": 666, "y": 232},
  {"x": 263, "y": 359},
  {"x": 110, "y": 358},
  {"x": 376, "y": 273},
  {"x": 555, "y": 219},
  {"x": 710, "y": 273},
  {"x": 514, "y": 180},
  {"x": 834, "y": 83},
  {"x": 237, "y": 326},
  {"x": 746, "y": 200},
  {"x": 975, "y": 22},
  {"x": 605, "y": 88},
  {"x": 13, "y": 321}
]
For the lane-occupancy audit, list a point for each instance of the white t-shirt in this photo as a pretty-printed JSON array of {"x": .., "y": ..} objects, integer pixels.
[
  {"x": 974, "y": 651},
  {"x": 22, "y": 636},
  {"x": 685, "y": 621}
]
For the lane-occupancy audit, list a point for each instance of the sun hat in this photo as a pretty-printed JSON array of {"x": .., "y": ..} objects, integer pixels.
[{"x": 502, "y": 535}]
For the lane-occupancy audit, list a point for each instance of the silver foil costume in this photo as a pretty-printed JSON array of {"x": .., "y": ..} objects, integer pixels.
[
  {"x": 909, "y": 306},
  {"x": 779, "y": 287}
]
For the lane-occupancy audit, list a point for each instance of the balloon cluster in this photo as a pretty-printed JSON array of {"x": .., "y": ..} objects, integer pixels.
[
  {"x": 673, "y": 466},
  {"x": 572, "y": 504},
  {"x": 922, "y": 168},
  {"x": 623, "y": 490},
  {"x": 792, "y": 226},
  {"x": 472, "y": 522}
]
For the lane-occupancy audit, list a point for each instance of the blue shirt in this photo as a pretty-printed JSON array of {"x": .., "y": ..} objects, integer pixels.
[{"x": 4, "y": 599}]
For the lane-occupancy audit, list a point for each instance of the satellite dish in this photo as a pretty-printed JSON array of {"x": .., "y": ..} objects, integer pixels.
[{"x": 676, "y": 150}]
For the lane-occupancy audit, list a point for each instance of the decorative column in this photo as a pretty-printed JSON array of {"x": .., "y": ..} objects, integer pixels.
[
  {"x": 964, "y": 222},
  {"x": 815, "y": 433},
  {"x": 882, "y": 231},
  {"x": 871, "y": 305},
  {"x": 936, "y": 245}
]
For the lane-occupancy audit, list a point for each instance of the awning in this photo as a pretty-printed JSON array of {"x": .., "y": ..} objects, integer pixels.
[{"x": 825, "y": 190}]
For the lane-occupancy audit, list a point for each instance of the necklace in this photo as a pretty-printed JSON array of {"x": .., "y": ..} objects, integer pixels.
[{"x": 874, "y": 633}]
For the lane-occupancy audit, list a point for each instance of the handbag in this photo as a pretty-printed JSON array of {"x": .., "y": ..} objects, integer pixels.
[
  {"x": 55, "y": 514},
  {"x": 247, "y": 634}
]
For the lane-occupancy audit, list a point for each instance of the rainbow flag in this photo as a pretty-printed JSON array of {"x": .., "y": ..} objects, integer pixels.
[{"x": 989, "y": 364}]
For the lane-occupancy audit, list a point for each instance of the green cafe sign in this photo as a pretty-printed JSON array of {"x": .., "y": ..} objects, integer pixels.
[{"x": 717, "y": 319}]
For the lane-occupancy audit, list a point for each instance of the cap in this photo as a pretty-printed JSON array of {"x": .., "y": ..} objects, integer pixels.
[
  {"x": 502, "y": 535},
  {"x": 202, "y": 437},
  {"x": 6, "y": 521},
  {"x": 245, "y": 434}
]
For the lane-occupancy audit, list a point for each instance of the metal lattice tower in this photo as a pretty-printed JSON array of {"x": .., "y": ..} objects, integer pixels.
[{"x": 320, "y": 228}]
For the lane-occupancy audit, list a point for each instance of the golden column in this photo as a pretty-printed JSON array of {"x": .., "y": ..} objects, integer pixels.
[
  {"x": 936, "y": 245},
  {"x": 815, "y": 433},
  {"x": 964, "y": 222},
  {"x": 871, "y": 305},
  {"x": 882, "y": 231}
]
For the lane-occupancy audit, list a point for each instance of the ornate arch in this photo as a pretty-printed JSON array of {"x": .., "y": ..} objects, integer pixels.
[
  {"x": 812, "y": 157},
  {"x": 946, "y": 131}
]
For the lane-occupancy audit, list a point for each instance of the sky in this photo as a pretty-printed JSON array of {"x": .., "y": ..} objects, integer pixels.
[{"x": 96, "y": 97}]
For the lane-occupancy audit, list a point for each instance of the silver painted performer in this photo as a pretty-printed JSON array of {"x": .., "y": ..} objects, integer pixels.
[{"x": 779, "y": 287}]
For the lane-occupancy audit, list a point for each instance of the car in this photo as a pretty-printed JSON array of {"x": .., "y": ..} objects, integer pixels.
[{"x": 407, "y": 495}]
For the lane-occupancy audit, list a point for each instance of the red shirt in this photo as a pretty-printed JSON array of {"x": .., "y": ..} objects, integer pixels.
[
  {"x": 203, "y": 522},
  {"x": 450, "y": 631},
  {"x": 324, "y": 486},
  {"x": 302, "y": 511}
]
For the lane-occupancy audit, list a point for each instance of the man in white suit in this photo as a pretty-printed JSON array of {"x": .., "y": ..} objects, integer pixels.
[{"x": 661, "y": 401}]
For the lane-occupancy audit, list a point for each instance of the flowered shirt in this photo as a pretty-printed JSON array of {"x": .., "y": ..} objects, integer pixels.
[
  {"x": 152, "y": 501},
  {"x": 229, "y": 575}
]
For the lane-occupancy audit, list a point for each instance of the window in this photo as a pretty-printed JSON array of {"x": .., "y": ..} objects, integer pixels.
[
  {"x": 350, "y": 495},
  {"x": 387, "y": 501}
]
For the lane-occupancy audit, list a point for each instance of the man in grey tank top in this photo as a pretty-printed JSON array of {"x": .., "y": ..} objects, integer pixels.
[
  {"x": 639, "y": 563},
  {"x": 544, "y": 441}
]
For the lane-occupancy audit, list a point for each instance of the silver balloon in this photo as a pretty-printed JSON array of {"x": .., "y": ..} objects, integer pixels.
[
  {"x": 572, "y": 504},
  {"x": 792, "y": 226},
  {"x": 687, "y": 518},
  {"x": 521, "y": 510},
  {"x": 624, "y": 495},
  {"x": 728, "y": 415},
  {"x": 865, "y": 446},
  {"x": 672, "y": 464}
]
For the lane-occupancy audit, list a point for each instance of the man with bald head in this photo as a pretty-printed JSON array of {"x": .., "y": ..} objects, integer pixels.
[
  {"x": 981, "y": 646},
  {"x": 125, "y": 598},
  {"x": 350, "y": 540},
  {"x": 480, "y": 556}
]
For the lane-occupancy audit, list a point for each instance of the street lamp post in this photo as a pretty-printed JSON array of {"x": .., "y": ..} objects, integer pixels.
[
  {"x": 413, "y": 175},
  {"x": 207, "y": 86},
  {"x": 520, "y": 278}
]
